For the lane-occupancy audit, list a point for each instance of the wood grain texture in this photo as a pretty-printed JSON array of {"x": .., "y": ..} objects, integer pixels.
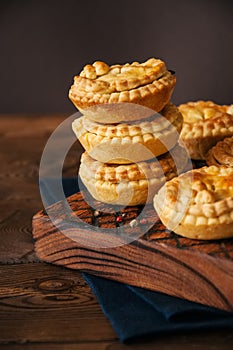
[
  {"x": 43, "y": 306},
  {"x": 202, "y": 341},
  {"x": 61, "y": 346},
  {"x": 22, "y": 141},
  {"x": 160, "y": 260},
  {"x": 42, "y": 303}
]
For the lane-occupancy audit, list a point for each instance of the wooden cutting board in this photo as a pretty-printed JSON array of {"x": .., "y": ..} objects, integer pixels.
[{"x": 160, "y": 260}]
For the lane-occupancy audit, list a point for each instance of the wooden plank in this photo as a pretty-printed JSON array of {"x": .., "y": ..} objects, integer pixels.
[
  {"x": 201, "y": 271},
  {"x": 20, "y": 158},
  {"x": 27, "y": 125},
  {"x": 22, "y": 143},
  {"x": 45, "y": 303},
  {"x": 16, "y": 243},
  {"x": 20, "y": 197},
  {"x": 202, "y": 341},
  {"x": 60, "y": 346}
]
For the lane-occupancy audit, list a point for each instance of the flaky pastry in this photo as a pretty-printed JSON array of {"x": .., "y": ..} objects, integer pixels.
[
  {"x": 149, "y": 84},
  {"x": 128, "y": 143},
  {"x": 205, "y": 123},
  {"x": 221, "y": 153},
  {"x": 130, "y": 184},
  {"x": 199, "y": 203}
]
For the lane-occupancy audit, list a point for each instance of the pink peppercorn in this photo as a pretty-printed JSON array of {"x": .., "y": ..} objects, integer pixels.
[{"x": 119, "y": 218}]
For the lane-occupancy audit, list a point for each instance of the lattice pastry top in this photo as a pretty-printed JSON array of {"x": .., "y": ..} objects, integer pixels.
[
  {"x": 149, "y": 84},
  {"x": 205, "y": 123},
  {"x": 130, "y": 184},
  {"x": 168, "y": 165},
  {"x": 199, "y": 203},
  {"x": 202, "y": 111},
  {"x": 100, "y": 77}
]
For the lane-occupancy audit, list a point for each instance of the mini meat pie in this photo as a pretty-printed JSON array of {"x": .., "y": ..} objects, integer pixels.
[
  {"x": 129, "y": 143},
  {"x": 149, "y": 84},
  {"x": 205, "y": 123},
  {"x": 199, "y": 203},
  {"x": 130, "y": 184},
  {"x": 221, "y": 153}
]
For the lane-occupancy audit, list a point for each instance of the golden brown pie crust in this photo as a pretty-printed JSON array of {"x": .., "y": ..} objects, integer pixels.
[
  {"x": 205, "y": 123},
  {"x": 128, "y": 143},
  {"x": 149, "y": 84},
  {"x": 221, "y": 153},
  {"x": 199, "y": 203},
  {"x": 130, "y": 184}
]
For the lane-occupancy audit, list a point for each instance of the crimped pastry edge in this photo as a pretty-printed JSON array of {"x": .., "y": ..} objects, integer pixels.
[
  {"x": 124, "y": 189},
  {"x": 174, "y": 161},
  {"x": 211, "y": 221},
  {"x": 123, "y": 150},
  {"x": 153, "y": 96},
  {"x": 202, "y": 135},
  {"x": 131, "y": 149}
]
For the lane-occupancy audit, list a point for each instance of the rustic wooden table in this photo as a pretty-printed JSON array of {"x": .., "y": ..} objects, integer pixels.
[{"x": 44, "y": 306}]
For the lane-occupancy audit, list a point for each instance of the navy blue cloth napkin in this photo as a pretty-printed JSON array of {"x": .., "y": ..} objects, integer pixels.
[{"x": 136, "y": 313}]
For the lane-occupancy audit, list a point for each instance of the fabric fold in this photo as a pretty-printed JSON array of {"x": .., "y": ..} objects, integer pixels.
[{"x": 136, "y": 313}]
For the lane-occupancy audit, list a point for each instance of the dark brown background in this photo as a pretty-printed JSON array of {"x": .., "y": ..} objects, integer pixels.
[{"x": 44, "y": 43}]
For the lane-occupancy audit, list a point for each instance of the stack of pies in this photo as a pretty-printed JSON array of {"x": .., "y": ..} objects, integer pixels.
[
  {"x": 129, "y": 130},
  {"x": 133, "y": 155}
]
